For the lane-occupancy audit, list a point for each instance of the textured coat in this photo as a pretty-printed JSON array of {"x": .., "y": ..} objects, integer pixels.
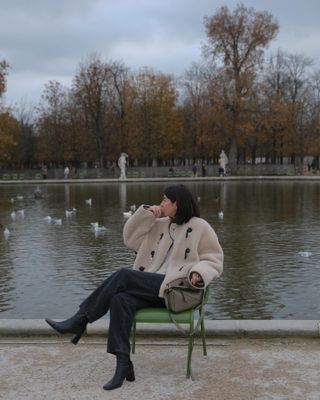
[{"x": 194, "y": 246}]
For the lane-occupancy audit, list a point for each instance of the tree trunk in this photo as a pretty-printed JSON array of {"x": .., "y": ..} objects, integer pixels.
[{"x": 233, "y": 152}]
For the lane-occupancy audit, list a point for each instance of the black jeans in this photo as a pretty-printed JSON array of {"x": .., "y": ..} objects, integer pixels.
[{"x": 123, "y": 292}]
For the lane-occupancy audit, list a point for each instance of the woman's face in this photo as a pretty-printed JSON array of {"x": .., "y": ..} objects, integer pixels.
[{"x": 168, "y": 207}]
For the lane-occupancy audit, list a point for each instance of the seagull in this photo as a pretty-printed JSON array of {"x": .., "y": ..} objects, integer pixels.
[
  {"x": 47, "y": 218},
  {"x": 305, "y": 253},
  {"x": 57, "y": 221},
  {"x": 133, "y": 208},
  {"x": 220, "y": 214},
  {"x": 89, "y": 202},
  {"x": 99, "y": 229},
  {"x": 69, "y": 213},
  {"x": 6, "y": 233},
  {"x": 13, "y": 215},
  {"x": 127, "y": 214}
]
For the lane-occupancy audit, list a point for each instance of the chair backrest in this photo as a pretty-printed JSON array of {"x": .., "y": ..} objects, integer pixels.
[{"x": 206, "y": 294}]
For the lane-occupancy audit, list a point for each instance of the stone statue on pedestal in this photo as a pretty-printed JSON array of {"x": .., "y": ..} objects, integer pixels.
[
  {"x": 122, "y": 161},
  {"x": 223, "y": 161}
]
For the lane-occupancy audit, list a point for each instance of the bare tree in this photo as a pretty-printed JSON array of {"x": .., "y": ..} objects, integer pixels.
[
  {"x": 238, "y": 39},
  {"x": 52, "y": 122},
  {"x": 97, "y": 89},
  {"x": 4, "y": 66}
]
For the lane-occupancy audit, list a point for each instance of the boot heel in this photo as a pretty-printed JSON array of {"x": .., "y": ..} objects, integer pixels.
[
  {"x": 77, "y": 337},
  {"x": 130, "y": 374}
]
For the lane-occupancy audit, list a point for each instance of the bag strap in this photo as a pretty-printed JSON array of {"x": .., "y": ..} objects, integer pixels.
[{"x": 201, "y": 316}]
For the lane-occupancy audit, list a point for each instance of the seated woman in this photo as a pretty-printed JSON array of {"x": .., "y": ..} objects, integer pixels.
[{"x": 171, "y": 242}]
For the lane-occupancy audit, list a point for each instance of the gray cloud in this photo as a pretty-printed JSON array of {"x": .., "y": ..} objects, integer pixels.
[{"x": 45, "y": 39}]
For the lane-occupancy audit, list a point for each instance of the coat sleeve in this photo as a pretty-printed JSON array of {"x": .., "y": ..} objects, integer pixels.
[
  {"x": 210, "y": 265},
  {"x": 137, "y": 227}
]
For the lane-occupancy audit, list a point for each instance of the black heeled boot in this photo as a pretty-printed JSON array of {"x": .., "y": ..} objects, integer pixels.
[
  {"x": 76, "y": 324},
  {"x": 124, "y": 370}
]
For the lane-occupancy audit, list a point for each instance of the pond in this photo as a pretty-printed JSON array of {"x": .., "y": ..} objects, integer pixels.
[{"x": 270, "y": 235}]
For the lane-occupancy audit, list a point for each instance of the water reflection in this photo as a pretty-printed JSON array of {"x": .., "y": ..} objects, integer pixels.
[{"x": 47, "y": 269}]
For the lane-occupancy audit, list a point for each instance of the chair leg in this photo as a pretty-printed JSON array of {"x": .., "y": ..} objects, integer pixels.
[
  {"x": 190, "y": 347},
  {"x": 203, "y": 336},
  {"x": 134, "y": 329}
]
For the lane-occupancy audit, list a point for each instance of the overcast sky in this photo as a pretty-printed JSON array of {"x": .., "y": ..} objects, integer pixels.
[{"x": 46, "y": 40}]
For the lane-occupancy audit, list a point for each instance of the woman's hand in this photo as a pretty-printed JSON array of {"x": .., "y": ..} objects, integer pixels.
[
  {"x": 156, "y": 210},
  {"x": 196, "y": 279}
]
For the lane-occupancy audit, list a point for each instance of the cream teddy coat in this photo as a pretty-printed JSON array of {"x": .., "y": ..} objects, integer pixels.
[{"x": 194, "y": 246}]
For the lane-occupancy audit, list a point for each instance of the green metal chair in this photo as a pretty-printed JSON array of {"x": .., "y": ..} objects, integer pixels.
[{"x": 162, "y": 315}]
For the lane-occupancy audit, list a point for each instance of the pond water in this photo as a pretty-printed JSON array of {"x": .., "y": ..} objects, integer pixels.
[{"x": 47, "y": 269}]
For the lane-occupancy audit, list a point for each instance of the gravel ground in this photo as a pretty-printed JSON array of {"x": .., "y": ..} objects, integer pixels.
[{"x": 257, "y": 369}]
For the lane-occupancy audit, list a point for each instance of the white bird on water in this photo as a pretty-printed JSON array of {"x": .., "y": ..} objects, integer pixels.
[
  {"x": 13, "y": 215},
  {"x": 47, "y": 218},
  {"x": 6, "y": 233},
  {"x": 70, "y": 213},
  {"x": 133, "y": 208},
  {"x": 127, "y": 214},
  {"x": 306, "y": 254},
  {"x": 57, "y": 221},
  {"x": 100, "y": 229},
  {"x": 89, "y": 202},
  {"x": 19, "y": 197},
  {"x": 221, "y": 214}
]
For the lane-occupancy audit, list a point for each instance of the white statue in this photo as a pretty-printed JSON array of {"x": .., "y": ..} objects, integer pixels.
[
  {"x": 223, "y": 161},
  {"x": 122, "y": 161}
]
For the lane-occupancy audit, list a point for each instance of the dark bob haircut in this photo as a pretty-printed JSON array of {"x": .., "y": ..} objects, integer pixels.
[{"x": 186, "y": 205}]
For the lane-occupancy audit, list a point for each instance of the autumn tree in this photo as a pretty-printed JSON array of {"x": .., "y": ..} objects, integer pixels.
[
  {"x": 98, "y": 91},
  {"x": 238, "y": 39},
  {"x": 156, "y": 132},
  {"x": 278, "y": 138},
  {"x": 196, "y": 109},
  {"x": 4, "y": 66},
  {"x": 25, "y": 151},
  {"x": 315, "y": 116},
  {"x": 9, "y": 126},
  {"x": 297, "y": 87},
  {"x": 9, "y": 130},
  {"x": 206, "y": 118},
  {"x": 119, "y": 100},
  {"x": 52, "y": 124},
  {"x": 287, "y": 103}
]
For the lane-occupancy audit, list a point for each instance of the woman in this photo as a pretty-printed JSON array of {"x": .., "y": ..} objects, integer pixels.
[{"x": 171, "y": 242}]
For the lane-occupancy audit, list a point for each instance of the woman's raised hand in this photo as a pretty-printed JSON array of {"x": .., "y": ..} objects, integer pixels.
[{"x": 157, "y": 211}]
